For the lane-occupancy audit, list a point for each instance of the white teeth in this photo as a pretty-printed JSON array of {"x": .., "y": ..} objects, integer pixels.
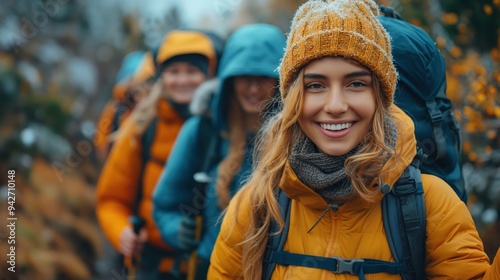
[{"x": 335, "y": 126}]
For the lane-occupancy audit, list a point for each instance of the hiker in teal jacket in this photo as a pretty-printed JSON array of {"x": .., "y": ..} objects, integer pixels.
[{"x": 247, "y": 83}]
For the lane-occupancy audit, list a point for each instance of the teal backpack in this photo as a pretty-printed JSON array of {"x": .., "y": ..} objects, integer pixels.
[{"x": 421, "y": 93}]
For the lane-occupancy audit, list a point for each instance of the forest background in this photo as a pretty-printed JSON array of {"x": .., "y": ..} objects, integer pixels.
[{"x": 58, "y": 64}]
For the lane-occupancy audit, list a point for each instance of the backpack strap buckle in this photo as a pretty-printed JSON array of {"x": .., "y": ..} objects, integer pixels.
[
  {"x": 346, "y": 265},
  {"x": 435, "y": 113}
]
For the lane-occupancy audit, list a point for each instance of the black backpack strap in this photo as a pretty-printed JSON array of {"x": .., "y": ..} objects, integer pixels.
[
  {"x": 209, "y": 140},
  {"x": 451, "y": 119},
  {"x": 403, "y": 212},
  {"x": 338, "y": 265},
  {"x": 276, "y": 239},
  {"x": 120, "y": 110},
  {"x": 137, "y": 221},
  {"x": 436, "y": 117},
  {"x": 147, "y": 142}
]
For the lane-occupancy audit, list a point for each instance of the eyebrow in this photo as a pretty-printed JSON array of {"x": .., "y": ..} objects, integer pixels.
[
  {"x": 350, "y": 75},
  {"x": 314, "y": 76},
  {"x": 358, "y": 74}
]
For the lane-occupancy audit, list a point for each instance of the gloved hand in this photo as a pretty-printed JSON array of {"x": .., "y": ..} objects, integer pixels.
[{"x": 186, "y": 235}]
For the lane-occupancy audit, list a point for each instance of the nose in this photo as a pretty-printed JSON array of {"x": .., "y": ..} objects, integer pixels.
[
  {"x": 183, "y": 79},
  {"x": 254, "y": 84},
  {"x": 335, "y": 102}
]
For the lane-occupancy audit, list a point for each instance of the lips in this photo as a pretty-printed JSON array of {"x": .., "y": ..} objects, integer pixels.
[{"x": 253, "y": 100}]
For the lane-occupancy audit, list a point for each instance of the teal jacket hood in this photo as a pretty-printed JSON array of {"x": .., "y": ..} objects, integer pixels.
[{"x": 254, "y": 49}]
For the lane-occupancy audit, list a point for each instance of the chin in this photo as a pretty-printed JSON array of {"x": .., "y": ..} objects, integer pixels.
[
  {"x": 184, "y": 99},
  {"x": 335, "y": 152}
]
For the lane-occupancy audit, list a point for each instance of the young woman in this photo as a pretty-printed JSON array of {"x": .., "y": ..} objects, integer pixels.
[
  {"x": 248, "y": 81},
  {"x": 144, "y": 140},
  {"x": 335, "y": 146}
]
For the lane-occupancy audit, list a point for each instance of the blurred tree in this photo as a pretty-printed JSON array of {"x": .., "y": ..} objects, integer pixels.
[{"x": 473, "y": 24}]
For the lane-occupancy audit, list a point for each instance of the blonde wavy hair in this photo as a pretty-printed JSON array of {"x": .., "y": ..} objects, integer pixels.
[
  {"x": 237, "y": 135},
  {"x": 141, "y": 116},
  {"x": 274, "y": 146},
  {"x": 231, "y": 164}
]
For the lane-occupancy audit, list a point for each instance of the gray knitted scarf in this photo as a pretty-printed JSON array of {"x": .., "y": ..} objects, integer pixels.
[
  {"x": 321, "y": 172},
  {"x": 326, "y": 174}
]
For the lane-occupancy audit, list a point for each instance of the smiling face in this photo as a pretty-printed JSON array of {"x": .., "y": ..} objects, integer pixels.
[
  {"x": 339, "y": 104},
  {"x": 180, "y": 80},
  {"x": 254, "y": 92}
]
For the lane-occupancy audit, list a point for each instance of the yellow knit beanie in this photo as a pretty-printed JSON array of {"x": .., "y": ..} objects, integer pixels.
[{"x": 345, "y": 28}]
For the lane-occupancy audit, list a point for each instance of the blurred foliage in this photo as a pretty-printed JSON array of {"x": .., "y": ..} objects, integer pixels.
[
  {"x": 473, "y": 24},
  {"x": 47, "y": 111},
  {"x": 57, "y": 236}
]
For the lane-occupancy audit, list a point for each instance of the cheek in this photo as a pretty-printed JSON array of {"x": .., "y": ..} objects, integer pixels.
[
  {"x": 367, "y": 108},
  {"x": 199, "y": 78},
  {"x": 167, "y": 81},
  {"x": 310, "y": 106},
  {"x": 268, "y": 91},
  {"x": 239, "y": 91}
]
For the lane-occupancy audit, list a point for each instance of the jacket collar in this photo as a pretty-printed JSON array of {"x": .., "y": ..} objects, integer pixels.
[{"x": 167, "y": 113}]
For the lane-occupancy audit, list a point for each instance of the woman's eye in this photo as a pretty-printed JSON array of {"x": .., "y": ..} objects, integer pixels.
[
  {"x": 357, "y": 84},
  {"x": 314, "y": 86}
]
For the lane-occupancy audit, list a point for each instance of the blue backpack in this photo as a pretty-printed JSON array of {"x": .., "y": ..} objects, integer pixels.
[{"x": 421, "y": 93}]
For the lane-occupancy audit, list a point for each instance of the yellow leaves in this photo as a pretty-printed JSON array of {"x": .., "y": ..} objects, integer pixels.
[
  {"x": 490, "y": 110},
  {"x": 491, "y": 134},
  {"x": 459, "y": 69},
  {"x": 495, "y": 55},
  {"x": 469, "y": 112},
  {"x": 475, "y": 120},
  {"x": 455, "y": 52},
  {"x": 474, "y": 126},
  {"x": 488, "y": 10},
  {"x": 496, "y": 3},
  {"x": 416, "y": 22},
  {"x": 463, "y": 34},
  {"x": 454, "y": 88},
  {"x": 467, "y": 147},
  {"x": 492, "y": 92},
  {"x": 488, "y": 149},
  {"x": 462, "y": 28},
  {"x": 449, "y": 18},
  {"x": 458, "y": 115},
  {"x": 477, "y": 88},
  {"x": 441, "y": 42},
  {"x": 472, "y": 156}
]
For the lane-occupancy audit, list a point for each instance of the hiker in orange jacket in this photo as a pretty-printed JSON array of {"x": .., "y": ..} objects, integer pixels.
[
  {"x": 335, "y": 150},
  {"x": 133, "y": 82},
  {"x": 184, "y": 60}
]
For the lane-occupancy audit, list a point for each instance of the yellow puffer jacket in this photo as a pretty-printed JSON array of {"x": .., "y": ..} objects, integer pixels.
[
  {"x": 453, "y": 247},
  {"x": 117, "y": 186}
]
